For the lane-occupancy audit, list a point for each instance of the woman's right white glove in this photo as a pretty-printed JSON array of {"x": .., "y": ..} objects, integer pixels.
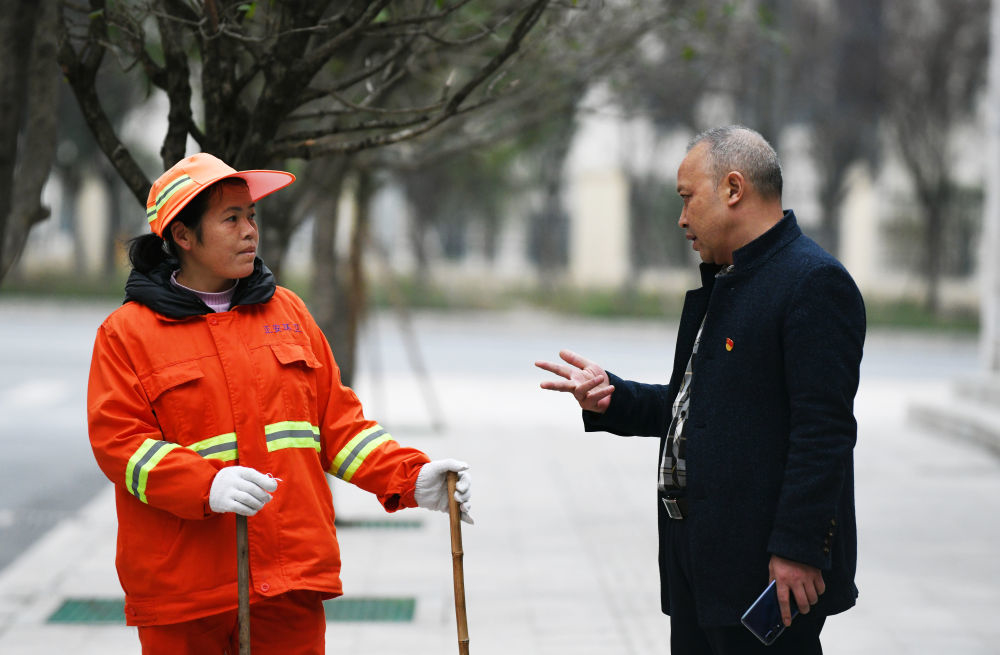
[
  {"x": 240, "y": 489},
  {"x": 431, "y": 490}
]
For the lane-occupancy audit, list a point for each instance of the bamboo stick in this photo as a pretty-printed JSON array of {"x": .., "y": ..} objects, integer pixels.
[{"x": 458, "y": 571}]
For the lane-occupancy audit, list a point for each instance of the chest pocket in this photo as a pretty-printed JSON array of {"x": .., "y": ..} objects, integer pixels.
[
  {"x": 295, "y": 353},
  {"x": 295, "y": 383},
  {"x": 177, "y": 393}
]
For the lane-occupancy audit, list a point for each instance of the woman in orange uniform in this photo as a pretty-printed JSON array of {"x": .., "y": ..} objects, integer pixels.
[{"x": 212, "y": 392}]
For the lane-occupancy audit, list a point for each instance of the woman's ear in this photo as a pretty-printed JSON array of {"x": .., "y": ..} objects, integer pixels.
[{"x": 183, "y": 237}]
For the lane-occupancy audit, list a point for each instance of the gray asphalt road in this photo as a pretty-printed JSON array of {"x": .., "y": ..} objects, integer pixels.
[{"x": 47, "y": 470}]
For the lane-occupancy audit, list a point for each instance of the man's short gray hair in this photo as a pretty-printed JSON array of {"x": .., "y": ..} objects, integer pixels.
[{"x": 738, "y": 148}]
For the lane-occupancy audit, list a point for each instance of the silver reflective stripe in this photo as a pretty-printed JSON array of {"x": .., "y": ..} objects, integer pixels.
[
  {"x": 356, "y": 451},
  {"x": 152, "y": 212},
  {"x": 219, "y": 448},
  {"x": 222, "y": 447},
  {"x": 144, "y": 460},
  {"x": 137, "y": 471},
  {"x": 294, "y": 434},
  {"x": 184, "y": 179}
]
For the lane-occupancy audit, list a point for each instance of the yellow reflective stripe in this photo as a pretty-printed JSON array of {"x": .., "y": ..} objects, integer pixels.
[
  {"x": 221, "y": 447},
  {"x": 291, "y": 434},
  {"x": 165, "y": 195},
  {"x": 144, "y": 460},
  {"x": 353, "y": 455}
]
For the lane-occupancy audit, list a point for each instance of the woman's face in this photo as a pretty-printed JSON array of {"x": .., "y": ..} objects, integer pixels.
[{"x": 227, "y": 245}]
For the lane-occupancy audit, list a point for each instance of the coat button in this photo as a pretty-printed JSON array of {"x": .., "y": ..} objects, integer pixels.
[
  {"x": 213, "y": 321},
  {"x": 265, "y": 587}
]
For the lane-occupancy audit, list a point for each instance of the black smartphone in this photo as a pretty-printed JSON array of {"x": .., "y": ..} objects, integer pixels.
[{"x": 763, "y": 618}]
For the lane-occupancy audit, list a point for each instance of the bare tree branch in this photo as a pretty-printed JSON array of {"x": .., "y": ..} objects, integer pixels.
[
  {"x": 320, "y": 55},
  {"x": 317, "y": 147},
  {"x": 438, "y": 17},
  {"x": 178, "y": 88},
  {"x": 81, "y": 72}
]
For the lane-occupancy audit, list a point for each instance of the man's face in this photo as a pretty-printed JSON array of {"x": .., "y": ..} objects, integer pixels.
[{"x": 705, "y": 216}]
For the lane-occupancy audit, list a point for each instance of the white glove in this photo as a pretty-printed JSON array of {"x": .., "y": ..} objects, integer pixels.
[
  {"x": 240, "y": 489},
  {"x": 431, "y": 491}
]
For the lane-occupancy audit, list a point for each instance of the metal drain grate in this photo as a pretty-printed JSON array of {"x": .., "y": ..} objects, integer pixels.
[{"x": 112, "y": 610}]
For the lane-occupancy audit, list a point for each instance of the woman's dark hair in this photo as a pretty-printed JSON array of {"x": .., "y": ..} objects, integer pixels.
[{"x": 148, "y": 251}]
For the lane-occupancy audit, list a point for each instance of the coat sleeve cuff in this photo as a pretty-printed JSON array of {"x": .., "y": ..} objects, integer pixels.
[
  {"x": 597, "y": 422},
  {"x": 814, "y": 552}
]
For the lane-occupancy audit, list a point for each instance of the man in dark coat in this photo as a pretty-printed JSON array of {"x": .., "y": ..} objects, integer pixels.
[{"x": 757, "y": 428}]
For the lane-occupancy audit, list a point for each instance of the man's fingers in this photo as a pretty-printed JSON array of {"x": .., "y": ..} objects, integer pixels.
[
  {"x": 558, "y": 369},
  {"x": 600, "y": 394},
  {"x": 571, "y": 357},
  {"x": 812, "y": 596},
  {"x": 798, "y": 583},
  {"x": 557, "y": 385},
  {"x": 802, "y": 599},
  {"x": 585, "y": 386},
  {"x": 784, "y": 605}
]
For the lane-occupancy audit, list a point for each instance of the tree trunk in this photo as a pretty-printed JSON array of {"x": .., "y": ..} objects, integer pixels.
[
  {"x": 934, "y": 253},
  {"x": 278, "y": 222},
  {"x": 418, "y": 230},
  {"x": 327, "y": 297},
  {"x": 28, "y": 92},
  {"x": 17, "y": 27},
  {"x": 829, "y": 200},
  {"x": 116, "y": 225},
  {"x": 989, "y": 269},
  {"x": 552, "y": 239},
  {"x": 356, "y": 303}
]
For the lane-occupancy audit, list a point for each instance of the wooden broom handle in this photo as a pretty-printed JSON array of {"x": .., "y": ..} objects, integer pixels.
[
  {"x": 458, "y": 572},
  {"x": 243, "y": 582}
]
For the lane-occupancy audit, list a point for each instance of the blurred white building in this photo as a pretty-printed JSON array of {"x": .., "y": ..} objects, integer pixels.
[{"x": 607, "y": 152}]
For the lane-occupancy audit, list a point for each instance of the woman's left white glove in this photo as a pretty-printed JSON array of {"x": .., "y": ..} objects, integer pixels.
[
  {"x": 240, "y": 489},
  {"x": 431, "y": 491}
]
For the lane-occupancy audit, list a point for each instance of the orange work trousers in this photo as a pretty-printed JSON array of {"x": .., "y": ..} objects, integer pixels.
[{"x": 290, "y": 624}]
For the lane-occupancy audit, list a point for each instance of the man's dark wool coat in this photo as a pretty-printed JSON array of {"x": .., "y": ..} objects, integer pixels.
[{"x": 770, "y": 429}]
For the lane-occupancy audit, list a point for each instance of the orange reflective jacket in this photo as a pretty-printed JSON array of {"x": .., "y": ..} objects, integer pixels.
[{"x": 173, "y": 400}]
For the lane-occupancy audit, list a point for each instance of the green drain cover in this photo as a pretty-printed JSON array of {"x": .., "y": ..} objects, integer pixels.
[
  {"x": 90, "y": 610},
  {"x": 398, "y": 610},
  {"x": 112, "y": 610}
]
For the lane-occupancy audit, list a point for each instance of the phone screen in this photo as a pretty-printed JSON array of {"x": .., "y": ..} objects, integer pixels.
[{"x": 763, "y": 618}]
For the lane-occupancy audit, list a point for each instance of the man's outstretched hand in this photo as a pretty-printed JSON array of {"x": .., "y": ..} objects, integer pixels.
[{"x": 583, "y": 378}]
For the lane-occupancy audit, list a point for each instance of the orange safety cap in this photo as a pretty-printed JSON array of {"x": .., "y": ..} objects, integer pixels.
[{"x": 173, "y": 190}]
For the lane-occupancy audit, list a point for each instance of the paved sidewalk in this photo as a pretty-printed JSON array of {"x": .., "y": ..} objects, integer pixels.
[{"x": 562, "y": 559}]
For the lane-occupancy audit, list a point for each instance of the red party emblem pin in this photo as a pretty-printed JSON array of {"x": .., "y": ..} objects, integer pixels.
[{"x": 729, "y": 344}]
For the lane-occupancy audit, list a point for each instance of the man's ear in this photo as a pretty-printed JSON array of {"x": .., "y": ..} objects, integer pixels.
[
  {"x": 736, "y": 186},
  {"x": 183, "y": 237}
]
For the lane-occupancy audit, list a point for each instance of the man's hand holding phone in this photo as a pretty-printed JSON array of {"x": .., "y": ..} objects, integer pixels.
[{"x": 796, "y": 582}]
